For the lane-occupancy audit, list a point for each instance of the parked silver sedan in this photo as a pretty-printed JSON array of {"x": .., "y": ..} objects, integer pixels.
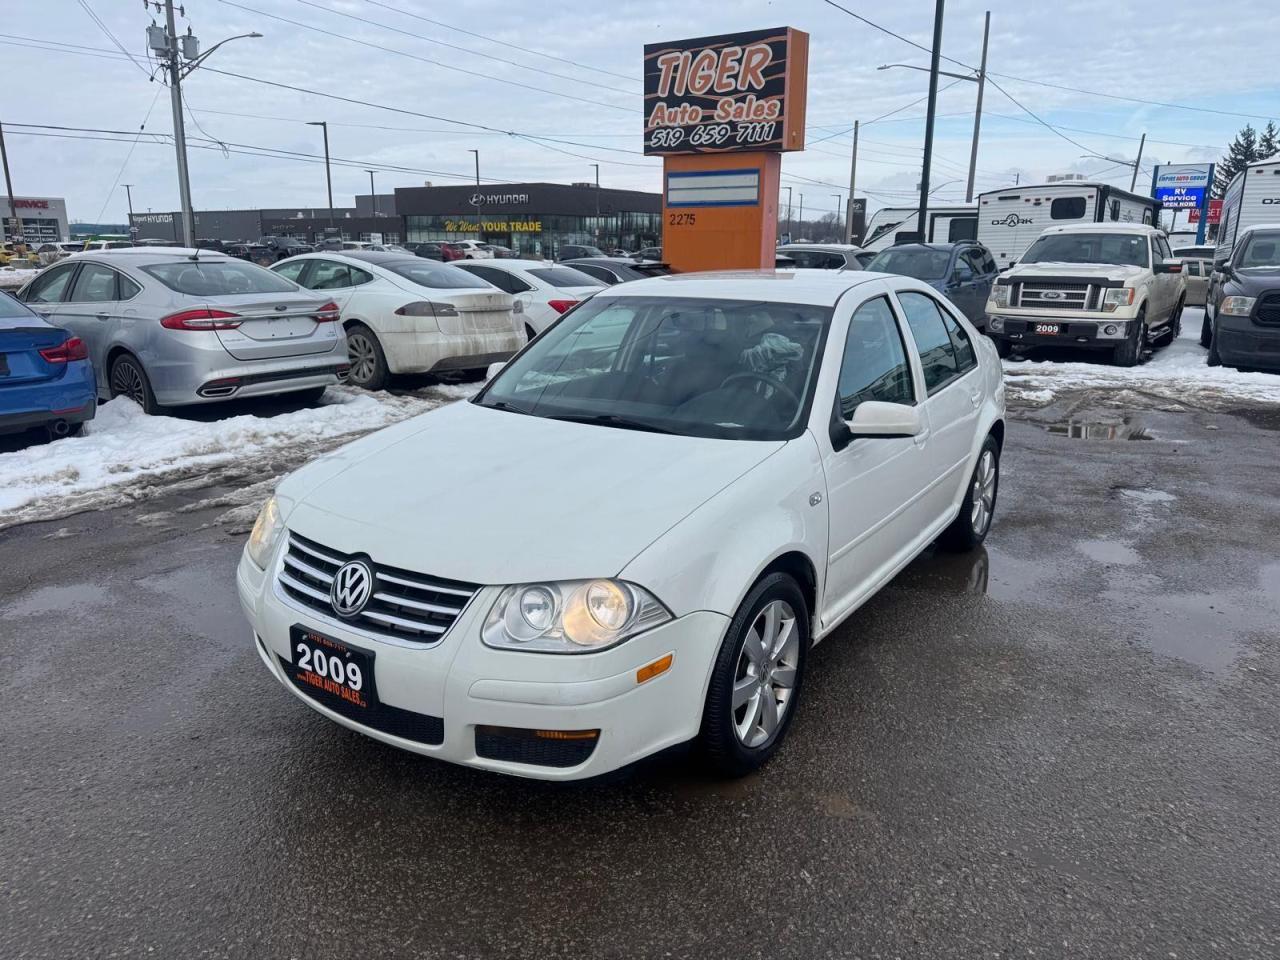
[{"x": 175, "y": 326}]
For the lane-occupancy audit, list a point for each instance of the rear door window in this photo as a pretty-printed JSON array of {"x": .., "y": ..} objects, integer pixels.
[
  {"x": 329, "y": 275},
  {"x": 95, "y": 284},
  {"x": 937, "y": 353},
  {"x": 291, "y": 271}
]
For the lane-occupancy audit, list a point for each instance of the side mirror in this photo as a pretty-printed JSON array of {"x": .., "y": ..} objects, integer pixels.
[
  {"x": 494, "y": 370},
  {"x": 962, "y": 275},
  {"x": 1169, "y": 265},
  {"x": 875, "y": 418}
]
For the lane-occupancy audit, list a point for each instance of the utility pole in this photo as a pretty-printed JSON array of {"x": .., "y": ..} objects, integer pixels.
[
  {"x": 839, "y": 228},
  {"x": 179, "y": 132},
  {"x": 15, "y": 229},
  {"x": 802, "y": 211},
  {"x": 788, "y": 230},
  {"x": 328, "y": 178},
  {"x": 597, "y": 166},
  {"x": 932, "y": 110},
  {"x": 853, "y": 182},
  {"x": 977, "y": 113},
  {"x": 128, "y": 192},
  {"x": 373, "y": 195},
  {"x": 1133, "y": 181},
  {"x": 479, "y": 235}
]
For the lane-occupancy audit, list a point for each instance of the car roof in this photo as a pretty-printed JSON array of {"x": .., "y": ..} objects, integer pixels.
[
  {"x": 155, "y": 253},
  {"x": 823, "y": 247},
  {"x": 604, "y": 261},
  {"x": 818, "y": 287},
  {"x": 1260, "y": 226},
  {"x": 379, "y": 258},
  {"x": 1144, "y": 228},
  {"x": 508, "y": 263},
  {"x": 939, "y": 247}
]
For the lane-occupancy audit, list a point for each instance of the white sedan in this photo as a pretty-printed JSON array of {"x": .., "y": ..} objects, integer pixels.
[
  {"x": 714, "y": 471},
  {"x": 404, "y": 314},
  {"x": 545, "y": 290}
]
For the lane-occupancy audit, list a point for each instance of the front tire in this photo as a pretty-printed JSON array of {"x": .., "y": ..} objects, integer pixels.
[
  {"x": 128, "y": 379},
  {"x": 1003, "y": 347},
  {"x": 1214, "y": 359},
  {"x": 756, "y": 683},
  {"x": 971, "y": 526},
  {"x": 1134, "y": 348},
  {"x": 368, "y": 362},
  {"x": 1206, "y": 330}
]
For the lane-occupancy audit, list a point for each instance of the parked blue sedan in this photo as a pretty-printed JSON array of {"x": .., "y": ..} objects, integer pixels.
[{"x": 46, "y": 379}]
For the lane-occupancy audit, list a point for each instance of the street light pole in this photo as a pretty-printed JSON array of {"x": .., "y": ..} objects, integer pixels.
[
  {"x": 853, "y": 182},
  {"x": 179, "y": 132},
  {"x": 15, "y": 230},
  {"x": 930, "y": 113},
  {"x": 597, "y": 166},
  {"x": 477, "y": 153},
  {"x": 802, "y": 211},
  {"x": 328, "y": 177},
  {"x": 373, "y": 194},
  {"x": 788, "y": 210},
  {"x": 128, "y": 193},
  {"x": 836, "y": 197},
  {"x": 977, "y": 113},
  {"x": 1133, "y": 181}
]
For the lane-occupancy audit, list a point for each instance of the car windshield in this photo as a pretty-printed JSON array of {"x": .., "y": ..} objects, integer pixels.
[
  {"x": 735, "y": 369},
  {"x": 921, "y": 264},
  {"x": 214, "y": 278},
  {"x": 562, "y": 277},
  {"x": 426, "y": 273},
  {"x": 1127, "y": 248},
  {"x": 1261, "y": 250}
]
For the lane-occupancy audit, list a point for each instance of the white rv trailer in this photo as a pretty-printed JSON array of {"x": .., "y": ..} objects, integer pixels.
[
  {"x": 1010, "y": 220},
  {"x": 893, "y": 225},
  {"x": 1251, "y": 198}
]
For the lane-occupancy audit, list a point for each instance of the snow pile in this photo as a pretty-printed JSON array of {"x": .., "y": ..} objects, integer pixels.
[
  {"x": 126, "y": 454},
  {"x": 11, "y": 278},
  {"x": 1177, "y": 373}
]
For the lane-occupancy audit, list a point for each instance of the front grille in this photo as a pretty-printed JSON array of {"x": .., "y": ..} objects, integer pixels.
[
  {"x": 405, "y": 605},
  {"x": 1056, "y": 296},
  {"x": 516, "y": 745},
  {"x": 396, "y": 721},
  {"x": 1268, "y": 309}
]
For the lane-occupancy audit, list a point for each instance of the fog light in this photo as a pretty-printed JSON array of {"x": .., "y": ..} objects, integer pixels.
[
  {"x": 996, "y": 323},
  {"x": 1110, "y": 329}
]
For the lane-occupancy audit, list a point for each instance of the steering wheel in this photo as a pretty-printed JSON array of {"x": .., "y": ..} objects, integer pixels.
[{"x": 762, "y": 378}]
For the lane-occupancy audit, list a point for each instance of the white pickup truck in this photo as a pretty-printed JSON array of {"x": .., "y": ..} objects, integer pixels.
[{"x": 1101, "y": 286}]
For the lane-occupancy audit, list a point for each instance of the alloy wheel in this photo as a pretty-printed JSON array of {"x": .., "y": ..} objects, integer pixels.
[
  {"x": 126, "y": 381},
  {"x": 765, "y": 677},
  {"x": 983, "y": 493},
  {"x": 362, "y": 357}
]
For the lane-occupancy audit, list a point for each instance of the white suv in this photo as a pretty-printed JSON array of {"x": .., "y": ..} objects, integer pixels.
[{"x": 1102, "y": 286}]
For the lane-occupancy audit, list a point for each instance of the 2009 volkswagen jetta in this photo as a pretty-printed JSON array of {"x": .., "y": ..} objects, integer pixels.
[{"x": 636, "y": 531}]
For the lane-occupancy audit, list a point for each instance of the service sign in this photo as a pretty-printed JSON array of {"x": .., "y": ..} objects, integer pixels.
[
  {"x": 735, "y": 92},
  {"x": 1181, "y": 186}
]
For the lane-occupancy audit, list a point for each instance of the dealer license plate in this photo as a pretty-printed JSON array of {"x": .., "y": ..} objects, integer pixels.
[
  {"x": 333, "y": 672},
  {"x": 1048, "y": 329}
]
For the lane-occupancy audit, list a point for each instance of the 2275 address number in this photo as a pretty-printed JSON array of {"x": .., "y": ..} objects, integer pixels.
[{"x": 682, "y": 219}]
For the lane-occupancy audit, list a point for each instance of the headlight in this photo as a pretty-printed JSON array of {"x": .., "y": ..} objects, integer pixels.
[
  {"x": 1116, "y": 297},
  {"x": 571, "y": 616},
  {"x": 266, "y": 531},
  {"x": 1000, "y": 295},
  {"x": 1237, "y": 306}
]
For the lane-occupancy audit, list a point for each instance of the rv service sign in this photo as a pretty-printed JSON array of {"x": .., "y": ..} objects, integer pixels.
[{"x": 735, "y": 92}]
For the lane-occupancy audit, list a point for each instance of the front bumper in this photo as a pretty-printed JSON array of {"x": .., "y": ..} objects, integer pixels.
[
  {"x": 1093, "y": 333},
  {"x": 1241, "y": 342},
  {"x": 456, "y": 691}
]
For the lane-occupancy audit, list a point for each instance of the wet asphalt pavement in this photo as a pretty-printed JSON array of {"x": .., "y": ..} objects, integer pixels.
[{"x": 1064, "y": 745}]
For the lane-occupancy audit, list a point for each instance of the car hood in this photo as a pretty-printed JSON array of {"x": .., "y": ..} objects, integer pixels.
[
  {"x": 486, "y": 496},
  {"x": 1251, "y": 281},
  {"x": 1085, "y": 271}
]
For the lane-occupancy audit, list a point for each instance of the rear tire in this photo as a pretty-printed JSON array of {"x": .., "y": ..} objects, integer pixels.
[
  {"x": 368, "y": 362},
  {"x": 758, "y": 675},
  {"x": 1214, "y": 359},
  {"x": 1206, "y": 331},
  {"x": 1175, "y": 323},
  {"x": 1003, "y": 347},
  {"x": 128, "y": 379},
  {"x": 973, "y": 523},
  {"x": 1134, "y": 348}
]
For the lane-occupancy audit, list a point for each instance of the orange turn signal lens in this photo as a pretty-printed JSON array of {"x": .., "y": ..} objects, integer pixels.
[
  {"x": 566, "y": 734},
  {"x": 655, "y": 669}
]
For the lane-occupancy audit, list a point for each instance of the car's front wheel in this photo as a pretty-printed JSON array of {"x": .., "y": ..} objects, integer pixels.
[
  {"x": 1206, "y": 330},
  {"x": 758, "y": 675},
  {"x": 1131, "y": 352},
  {"x": 368, "y": 362}
]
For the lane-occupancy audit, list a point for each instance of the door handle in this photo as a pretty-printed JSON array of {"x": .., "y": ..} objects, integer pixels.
[
  {"x": 976, "y": 398},
  {"x": 103, "y": 316}
]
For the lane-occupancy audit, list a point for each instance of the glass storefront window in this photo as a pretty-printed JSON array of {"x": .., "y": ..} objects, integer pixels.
[{"x": 626, "y": 231}]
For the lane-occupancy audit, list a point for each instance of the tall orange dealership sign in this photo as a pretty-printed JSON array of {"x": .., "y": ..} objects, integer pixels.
[{"x": 720, "y": 111}]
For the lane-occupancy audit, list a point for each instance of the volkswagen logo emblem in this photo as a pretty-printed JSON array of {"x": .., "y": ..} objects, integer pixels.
[
  {"x": 352, "y": 587},
  {"x": 1052, "y": 295},
  {"x": 477, "y": 199}
]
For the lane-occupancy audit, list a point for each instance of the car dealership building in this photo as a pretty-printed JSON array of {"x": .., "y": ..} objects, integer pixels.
[{"x": 534, "y": 219}]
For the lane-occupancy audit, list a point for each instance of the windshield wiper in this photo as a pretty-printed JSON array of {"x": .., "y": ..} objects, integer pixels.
[
  {"x": 611, "y": 420},
  {"x": 504, "y": 405}
]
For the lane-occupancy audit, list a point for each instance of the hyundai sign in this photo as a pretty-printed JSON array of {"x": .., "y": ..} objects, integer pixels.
[{"x": 1181, "y": 186}]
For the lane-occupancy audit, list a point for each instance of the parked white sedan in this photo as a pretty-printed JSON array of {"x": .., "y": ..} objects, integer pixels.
[
  {"x": 404, "y": 314},
  {"x": 545, "y": 290},
  {"x": 714, "y": 471}
]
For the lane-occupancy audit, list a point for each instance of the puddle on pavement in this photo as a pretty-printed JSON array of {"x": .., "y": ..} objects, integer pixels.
[
  {"x": 75, "y": 596},
  {"x": 1265, "y": 418},
  {"x": 1120, "y": 429},
  {"x": 1112, "y": 552}
]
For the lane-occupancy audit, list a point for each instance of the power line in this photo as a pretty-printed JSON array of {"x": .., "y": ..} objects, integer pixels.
[
  {"x": 414, "y": 56},
  {"x": 128, "y": 156},
  {"x": 112, "y": 37},
  {"x": 896, "y": 36},
  {"x": 1038, "y": 119},
  {"x": 454, "y": 46},
  {"x": 514, "y": 46}
]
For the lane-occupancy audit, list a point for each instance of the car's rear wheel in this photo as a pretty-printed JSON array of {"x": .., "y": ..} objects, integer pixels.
[
  {"x": 128, "y": 379},
  {"x": 1175, "y": 322},
  {"x": 368, "y": 362},
  {"x": 1134, "y": 348},
  {"x": 1206, "y": 330},
  {"x": 1214, "y": 359},
  {"x": 973, "y": 523},
  {"x": 755, "y": 686}
]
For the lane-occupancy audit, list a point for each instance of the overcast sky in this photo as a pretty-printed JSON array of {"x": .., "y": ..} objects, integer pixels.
[{"x": 467, "y": 66}]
